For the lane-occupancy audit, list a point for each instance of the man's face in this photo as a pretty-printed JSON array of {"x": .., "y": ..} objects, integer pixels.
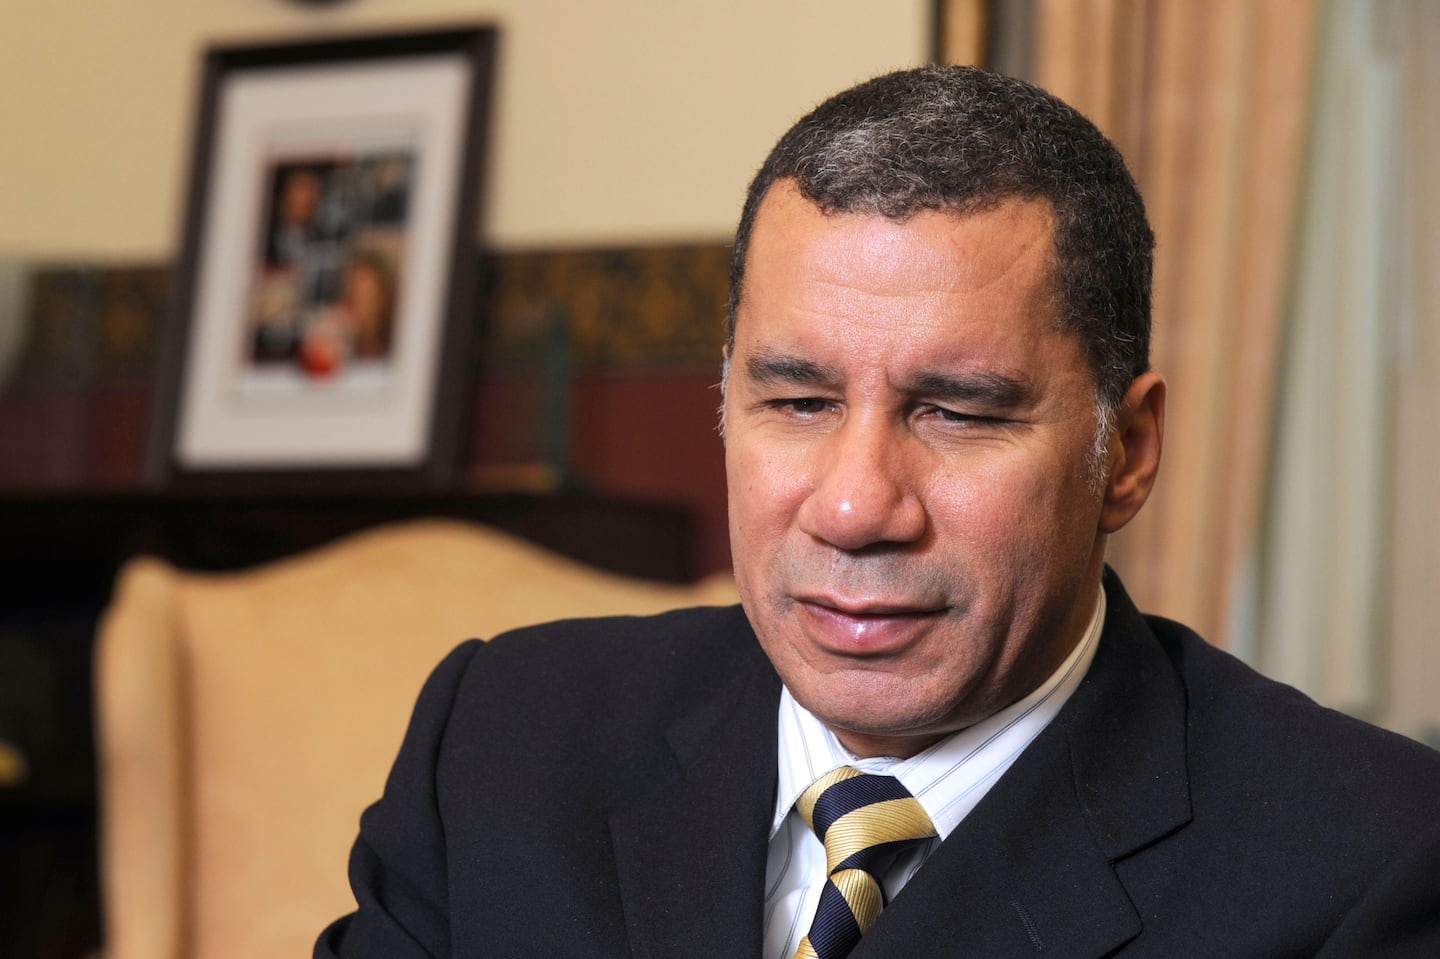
[{"x": 916, "y": 533}]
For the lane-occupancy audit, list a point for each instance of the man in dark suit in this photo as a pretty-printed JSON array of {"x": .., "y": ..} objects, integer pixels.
[{"x": 938, "y": 404}]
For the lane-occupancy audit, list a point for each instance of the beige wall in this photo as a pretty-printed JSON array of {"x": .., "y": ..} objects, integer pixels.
[{"x": 618, "y": 121}]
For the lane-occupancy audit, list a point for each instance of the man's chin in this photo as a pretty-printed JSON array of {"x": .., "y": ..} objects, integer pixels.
[
  {"x": 888, "y": 732},
  {"x": 885, "y": 742}
]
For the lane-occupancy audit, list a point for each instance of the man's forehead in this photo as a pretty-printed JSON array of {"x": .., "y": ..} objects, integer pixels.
[{"x": 977, "y": 246}]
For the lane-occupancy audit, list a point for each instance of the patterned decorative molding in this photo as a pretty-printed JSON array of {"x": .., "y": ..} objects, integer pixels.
[
  {"x": 651, "y": 309},
  {"x": 92, "y": 323}
]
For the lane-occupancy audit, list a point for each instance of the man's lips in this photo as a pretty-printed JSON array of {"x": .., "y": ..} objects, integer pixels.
[{"x": 865, "y": 628}]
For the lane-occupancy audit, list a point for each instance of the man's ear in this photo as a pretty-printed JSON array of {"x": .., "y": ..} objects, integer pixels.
[{"x": 1134, "y": 451}]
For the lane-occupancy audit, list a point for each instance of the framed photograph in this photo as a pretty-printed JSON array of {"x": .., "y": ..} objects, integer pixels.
[{"x": 325, "y": 285}]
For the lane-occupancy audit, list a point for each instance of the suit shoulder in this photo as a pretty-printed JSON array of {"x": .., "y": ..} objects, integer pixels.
[
  {"x": 621, "y": 670},
  {"x": 704, "y": 634},
  {"x": 1271, "y": 735}
]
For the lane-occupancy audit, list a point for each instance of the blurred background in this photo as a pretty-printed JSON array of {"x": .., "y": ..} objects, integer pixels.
[{"x": 1288, "y": 151}]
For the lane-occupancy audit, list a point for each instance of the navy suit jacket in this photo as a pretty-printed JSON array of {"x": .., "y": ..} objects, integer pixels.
[{"x": 605, "y": 788}]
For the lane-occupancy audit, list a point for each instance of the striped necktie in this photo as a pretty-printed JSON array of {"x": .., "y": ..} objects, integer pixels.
[{"x": 864, "y": 821}]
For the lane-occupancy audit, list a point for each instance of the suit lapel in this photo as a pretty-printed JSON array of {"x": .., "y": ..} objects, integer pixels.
[
  {"x": 1031, "y": 868},
  {"x": 1020, "y": 875},
  {"x": 691, "y": 857}
]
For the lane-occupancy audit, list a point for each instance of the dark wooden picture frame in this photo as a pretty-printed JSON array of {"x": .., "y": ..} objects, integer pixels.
[{"x": 325, "y": 289}]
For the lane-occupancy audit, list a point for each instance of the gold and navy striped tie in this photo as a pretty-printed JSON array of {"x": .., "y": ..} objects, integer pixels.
[{"x": 864, "y": 821}]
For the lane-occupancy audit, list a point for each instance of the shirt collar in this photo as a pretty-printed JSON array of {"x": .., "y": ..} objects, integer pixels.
[{"x": 950, "y": 777}]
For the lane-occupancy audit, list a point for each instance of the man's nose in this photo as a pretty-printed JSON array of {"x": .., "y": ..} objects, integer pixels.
[{"x": 865, "y": 489}]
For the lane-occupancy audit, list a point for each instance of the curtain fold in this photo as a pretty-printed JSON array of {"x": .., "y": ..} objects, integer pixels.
[
  {"x": 1322, "y": 555},
  {"x": 1408, "y": 700},
  {"x": 1347, "y": 576}
]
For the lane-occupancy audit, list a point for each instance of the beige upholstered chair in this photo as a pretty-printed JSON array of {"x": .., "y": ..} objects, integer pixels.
[{"x": 246, "y": 719}]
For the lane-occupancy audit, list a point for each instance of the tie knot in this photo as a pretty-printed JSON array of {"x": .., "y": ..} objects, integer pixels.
[{"x": 862, "y": 818}]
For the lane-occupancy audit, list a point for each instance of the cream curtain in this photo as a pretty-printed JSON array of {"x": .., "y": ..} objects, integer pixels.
[
  {"x": 1346, "y": 586},
  {"x": 1207, "y": 99},
  {"x": 1408, "y": 700}
]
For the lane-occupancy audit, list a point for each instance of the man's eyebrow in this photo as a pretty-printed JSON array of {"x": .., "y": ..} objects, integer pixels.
[
  {"x": 775, "y": 369},
  {"x": 988, "y": 388},
  {"x": 985, "y": 388}
]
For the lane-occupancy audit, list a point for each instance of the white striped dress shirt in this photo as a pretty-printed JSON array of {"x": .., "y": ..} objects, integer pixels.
[{"x": 949, "y": 779}]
